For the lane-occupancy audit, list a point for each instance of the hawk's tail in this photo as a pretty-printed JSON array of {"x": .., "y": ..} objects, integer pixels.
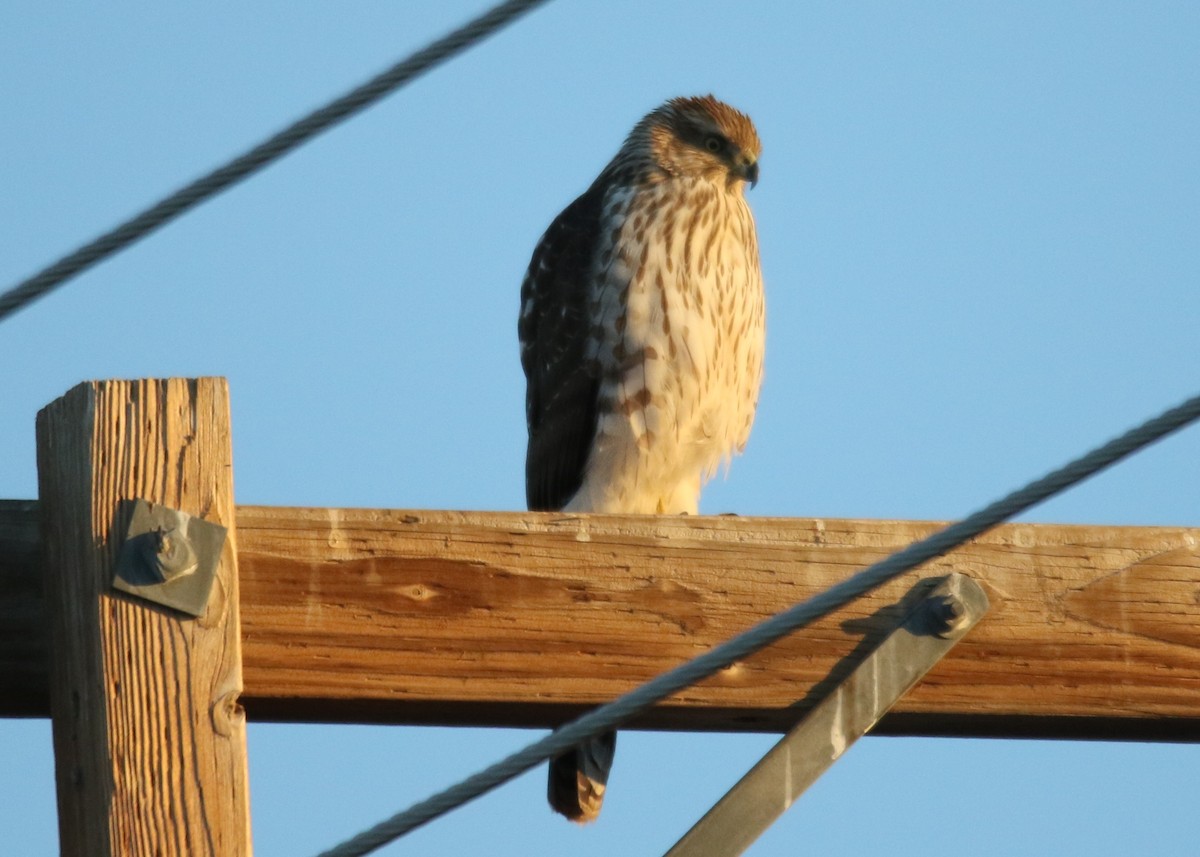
[{"x": 579, "y": 776}]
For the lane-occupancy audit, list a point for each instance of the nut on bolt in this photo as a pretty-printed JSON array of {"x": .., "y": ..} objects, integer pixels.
[
  {"x": 947, "y": 615},
  {"x": 168, "y": 554}
]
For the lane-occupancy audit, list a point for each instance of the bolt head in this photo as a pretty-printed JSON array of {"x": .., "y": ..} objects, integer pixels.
[
  {"x": 948, "y": 615},
  {"x": 169, "y": 554}
]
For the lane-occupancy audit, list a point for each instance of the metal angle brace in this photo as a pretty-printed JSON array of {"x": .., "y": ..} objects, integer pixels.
[{"x": 891, "y": 669}]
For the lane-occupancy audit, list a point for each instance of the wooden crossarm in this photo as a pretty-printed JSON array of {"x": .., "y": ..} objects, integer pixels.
[{"x": 526, "y": 619}]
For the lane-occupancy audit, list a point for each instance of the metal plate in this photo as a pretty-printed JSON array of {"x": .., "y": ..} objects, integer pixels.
[{"x": 169, "y": 557}]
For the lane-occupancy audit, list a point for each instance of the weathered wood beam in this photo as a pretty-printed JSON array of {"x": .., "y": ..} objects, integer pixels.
[
  {"x": 24, "y": 676},
  {"x": 525, "y": 619},
  {"x": 149, "y": 738}
]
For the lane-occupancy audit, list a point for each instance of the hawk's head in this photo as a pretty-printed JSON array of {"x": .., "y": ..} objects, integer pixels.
[{"x": 701, "y": 137}]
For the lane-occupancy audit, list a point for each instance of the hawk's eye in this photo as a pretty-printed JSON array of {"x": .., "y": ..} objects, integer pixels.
[{"x": 714, "y": 143}]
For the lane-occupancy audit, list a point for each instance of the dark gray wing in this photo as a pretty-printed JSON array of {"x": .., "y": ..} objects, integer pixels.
[{"x": 561, "y": 388}]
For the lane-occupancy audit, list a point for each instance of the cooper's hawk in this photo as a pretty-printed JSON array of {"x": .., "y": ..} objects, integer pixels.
[{"x": 641, "y": 334}]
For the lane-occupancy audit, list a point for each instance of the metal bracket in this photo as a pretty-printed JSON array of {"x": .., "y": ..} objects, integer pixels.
[
  {"x": 891, "y": 669},
  {"x": 169, "y": 557}
]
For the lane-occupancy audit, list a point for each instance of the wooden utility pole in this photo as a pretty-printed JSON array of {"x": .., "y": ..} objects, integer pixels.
[{"x": 149, "y": 737}]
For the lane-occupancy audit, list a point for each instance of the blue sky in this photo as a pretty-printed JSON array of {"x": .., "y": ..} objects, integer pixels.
[{"x": 979, "y": 227}]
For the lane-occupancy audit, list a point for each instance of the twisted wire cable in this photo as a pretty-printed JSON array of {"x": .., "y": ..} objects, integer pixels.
[
  {"x": 637, "y": 701},
  {"x": 299, "y": 132}
]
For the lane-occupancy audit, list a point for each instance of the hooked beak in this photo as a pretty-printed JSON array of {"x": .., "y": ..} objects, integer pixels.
[{"x": 748, "y": 171}]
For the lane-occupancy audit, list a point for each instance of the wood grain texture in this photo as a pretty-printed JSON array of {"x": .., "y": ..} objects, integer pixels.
[
  {"x": 525, "y": 619},
  {"x": 149, "y": 738},
  {"x": 530, "y": 618}
]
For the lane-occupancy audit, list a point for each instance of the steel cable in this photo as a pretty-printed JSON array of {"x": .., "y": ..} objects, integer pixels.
[
  {"x": 264, "y": 153},
  {"x": 622, "y": 709}
]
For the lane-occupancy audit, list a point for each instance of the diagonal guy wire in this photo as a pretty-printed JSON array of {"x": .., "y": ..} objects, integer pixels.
[
  {"x": 612, "y": 715},
  {"x": 280, "y": 144}
]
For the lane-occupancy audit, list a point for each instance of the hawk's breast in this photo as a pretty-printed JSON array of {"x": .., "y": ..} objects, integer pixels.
[{"x": 677, "y": 335}]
